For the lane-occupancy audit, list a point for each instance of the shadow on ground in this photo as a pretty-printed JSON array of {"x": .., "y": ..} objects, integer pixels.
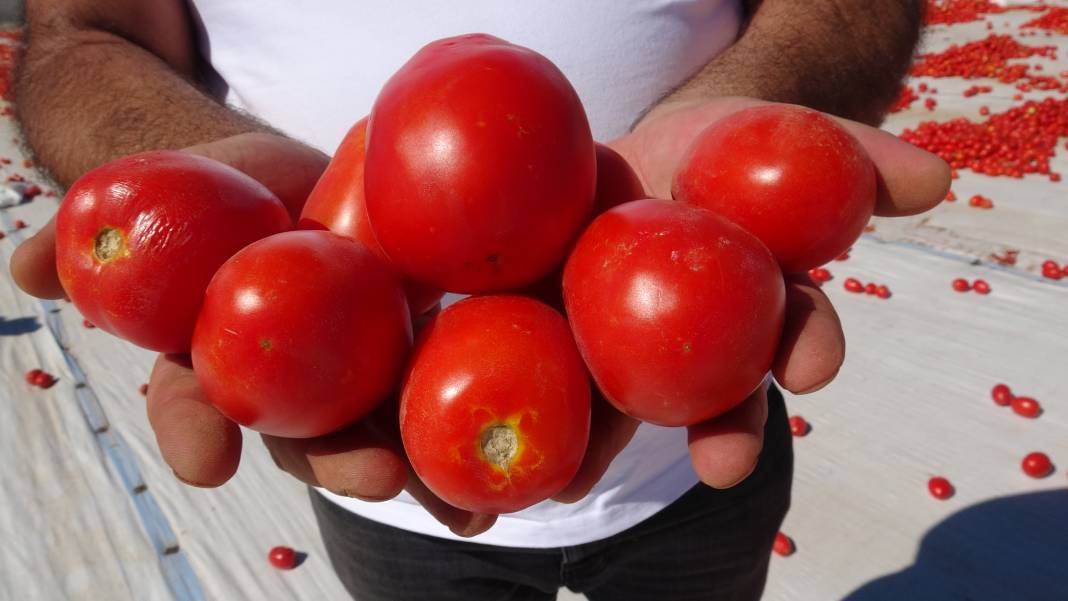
[
  {"x": 19, "y": 325},
  {"x": 1012, "y": 548}
]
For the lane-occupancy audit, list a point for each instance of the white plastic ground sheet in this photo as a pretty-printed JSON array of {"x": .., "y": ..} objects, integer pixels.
[{"x": 89, "y": 511}]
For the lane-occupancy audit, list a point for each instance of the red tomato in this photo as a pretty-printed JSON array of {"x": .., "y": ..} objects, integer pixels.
[
  {"x": 940, "y": 488},
  {"x": 495, "y": 406},
  {"x": 1002, "y": 395},
  {"x": 282, "y": 558},
  {"x": 616, "y": 184},
  {"x": 301, "y": 333},
  {"x": 791, "y": 176},
  {"x": 480, "y": 165},
  {"x": 337, "y": 204},
  {"x": 798, "y": 426},
  {"x": 1026, "y": 407},
  {"x": 676, "y": 310},
  {"x": 783, "y": 545},
  {"x": 1037, "y": 465},
  {"x": 138, "y": 239}
]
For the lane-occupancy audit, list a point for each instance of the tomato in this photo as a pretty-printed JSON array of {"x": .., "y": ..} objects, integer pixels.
[
  {"x": 790, "y": 175},
  {"x": 480, "y": 166},
  {"x": 301, "y": 333},
  {"x": 676, "y": 310},
  {"x": 283, "y": 558},
  {"x": 138, "y": 240},
  {"x": 1002, "y": 395},
  {"x": 1037, "y": 465},
  {"x": 1026, "y": 407},
  {"x": 616, "y": 184},
  {"x": 495, "y": 406},
  {"x": 783, "y": 545},
  {"x": 940, "y": 488},
  {"x": 337, "y": 204}
]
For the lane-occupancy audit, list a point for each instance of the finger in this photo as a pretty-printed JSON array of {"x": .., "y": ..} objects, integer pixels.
[
  {"x": 725, "y": 449},
  {"x": 909, "y": 180},
  {"x": 33, "y": 264},
  {"x": 610, "y": 431},
  {"x": 286, "y": 167},
  {"x": 201, "y": 445},
  {"x": 352, "y": 462},
  {"x": 812, "y": 347},
  {"x": 461, "y": 522}
]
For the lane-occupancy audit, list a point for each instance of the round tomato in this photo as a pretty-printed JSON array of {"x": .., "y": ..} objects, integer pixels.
[
  {"x": 301, "y": 334},
  {"x": 480, "y": 165},
  {"x": 676, "y": 310},
  {"x": 138, "y": 240},
  {"x": 495, "y": 406},
  {"x": 337, "y": 204},
  {"x": 616, "y": 184},
  {"x": 790, "y": 175}
]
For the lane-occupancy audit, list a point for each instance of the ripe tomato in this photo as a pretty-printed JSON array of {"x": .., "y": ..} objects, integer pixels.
[
  {"x": 1037, "y": 465},
  {"x": 337, "y": 204},
  {"x": 495, "y": 406},
  {"x": 791, "y": 176},
  {"x": 616, "y": 184},
  {"x": 138, "y": 239},
  {"x": 940, "y": 488},
  {"x": 480, "y": 165},
  {"x": 301, "y": 333},
  {"x": 283, "y": 558},
  {"x": 676, "y": 310},
  {"x": 783, "y": 545}
]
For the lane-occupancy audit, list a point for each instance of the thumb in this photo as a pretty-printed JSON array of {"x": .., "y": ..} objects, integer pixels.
[
  {"x": 285, "y": 166},
  {"x": 33, "y": 264}
]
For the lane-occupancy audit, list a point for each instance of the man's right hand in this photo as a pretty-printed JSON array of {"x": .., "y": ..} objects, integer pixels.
[{"x": 202, "y": 446}]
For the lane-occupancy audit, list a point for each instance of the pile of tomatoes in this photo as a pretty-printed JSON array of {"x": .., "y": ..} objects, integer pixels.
[{"x": 475, "y": 173}]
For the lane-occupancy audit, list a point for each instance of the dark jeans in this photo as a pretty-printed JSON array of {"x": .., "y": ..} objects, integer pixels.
[{"x": 709, "y": 544}]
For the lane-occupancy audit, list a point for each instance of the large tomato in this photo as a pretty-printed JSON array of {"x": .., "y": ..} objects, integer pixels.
[
  {"x": 676, "y": 310},
  {"x": 337, "y": 204},
  {"x": 138, "y": 240},
  {"x": 480, "y": 165},
  {"x": 790, "y": 175},
  {"x": 495, "y": 406},
  {"x": 301, "y": 333}
]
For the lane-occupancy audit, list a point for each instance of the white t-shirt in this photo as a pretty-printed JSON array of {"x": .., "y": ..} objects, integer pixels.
[{"x": 311, "y": 69}]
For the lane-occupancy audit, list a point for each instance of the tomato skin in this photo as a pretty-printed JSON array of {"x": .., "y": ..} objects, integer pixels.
[
  {"x": 337, "y": 204},
  {"x": 480, "y": 166},
  {"x": 495, "y": 361},
  {"x": 791, "y": 176},
  {"x": 301, "y": 334},
  {"x": 676, "y": 311},
  {"x": 173, "y": 219},
  {"x": 616, "y": 184}
]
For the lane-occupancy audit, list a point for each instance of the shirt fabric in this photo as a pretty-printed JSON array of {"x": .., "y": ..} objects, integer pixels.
[{"x": 312, "y": 68}]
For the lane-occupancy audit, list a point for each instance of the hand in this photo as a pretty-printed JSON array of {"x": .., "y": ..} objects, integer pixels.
[
  {"x": 724, "y": 450},
  {"x": 203, "y": 447}
]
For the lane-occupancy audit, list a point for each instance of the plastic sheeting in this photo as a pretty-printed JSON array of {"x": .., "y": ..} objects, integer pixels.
[{"x": 89, "y": 511}]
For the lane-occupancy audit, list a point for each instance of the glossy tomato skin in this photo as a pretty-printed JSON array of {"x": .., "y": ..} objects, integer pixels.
[
  {"x": 676, "y": 311},
  {"x": 337, "y": 204},
  {"x": 301, "y": 334},
  {"x": 616, "y": 184},
  {"x": 790, "y": 175},
  {"x": 138, "y": 240},
  {"x": 495, "y": 370},
  {"x": 480, "y": 165}
]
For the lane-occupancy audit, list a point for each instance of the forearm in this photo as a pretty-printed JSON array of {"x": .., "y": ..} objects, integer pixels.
[
  {"x": 87, "y": 96},
  {"x": 845, "y": 57}
]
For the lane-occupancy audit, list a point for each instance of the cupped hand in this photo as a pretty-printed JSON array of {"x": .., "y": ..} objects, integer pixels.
[
  {"x": 203, "y": 447},
  {"x": 724, "y": 450}
]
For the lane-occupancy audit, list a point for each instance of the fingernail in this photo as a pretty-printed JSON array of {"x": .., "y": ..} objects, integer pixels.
[
  {"x": 189, "y": 482},
  {"x": 736, "y": 482}
]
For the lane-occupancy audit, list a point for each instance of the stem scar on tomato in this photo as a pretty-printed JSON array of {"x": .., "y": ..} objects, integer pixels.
[
  {"x": 499, "y": 444},
  {"x": 109, "y": 244}
]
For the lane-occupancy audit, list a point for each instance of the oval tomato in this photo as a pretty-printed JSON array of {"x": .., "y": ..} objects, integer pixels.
[
  {"x": 495, "y": 406},
  {"x": 301, "y": 334},
  {"x": 791, "y": 176},
  {"x": 138, "y": 240},
  {"x": 676, "y": 310},
  {"x": 337, "y": 204},
  {"x": 480, "y": 165}
]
